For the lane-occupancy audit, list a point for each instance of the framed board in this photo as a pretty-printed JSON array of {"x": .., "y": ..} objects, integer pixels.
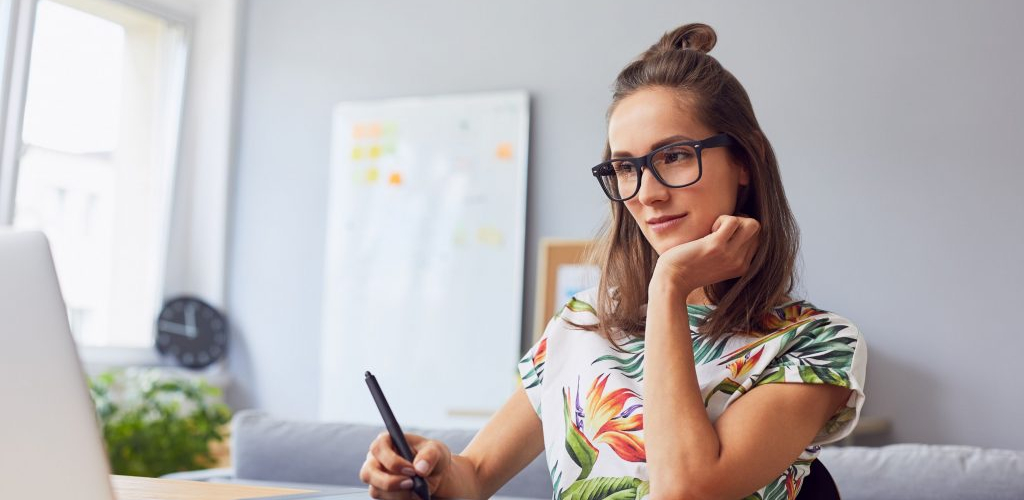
[
  {"x": 424, "y": 257},
  {"x": 561, "y": 272}
]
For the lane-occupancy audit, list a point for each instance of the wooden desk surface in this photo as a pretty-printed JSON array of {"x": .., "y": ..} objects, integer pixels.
[{"x": 145, "y": 488}]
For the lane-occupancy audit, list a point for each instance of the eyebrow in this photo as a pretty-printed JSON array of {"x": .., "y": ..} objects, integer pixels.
[{"x": 667, "y": 140}]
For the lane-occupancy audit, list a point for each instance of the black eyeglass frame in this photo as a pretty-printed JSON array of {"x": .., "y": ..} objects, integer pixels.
[{"x": 644, "y": 162}]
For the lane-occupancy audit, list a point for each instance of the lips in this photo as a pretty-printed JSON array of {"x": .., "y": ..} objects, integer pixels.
[{"x": 665, "y": 218}]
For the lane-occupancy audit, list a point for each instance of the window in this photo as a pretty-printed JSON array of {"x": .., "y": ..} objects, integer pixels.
[{"x": 96, "y": 161}]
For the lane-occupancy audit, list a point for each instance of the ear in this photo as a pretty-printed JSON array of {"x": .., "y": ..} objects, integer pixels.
[{"x": 744, "y": 175}]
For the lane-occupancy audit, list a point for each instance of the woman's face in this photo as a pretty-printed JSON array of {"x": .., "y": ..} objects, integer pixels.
[{"x": 645, "y": 120}]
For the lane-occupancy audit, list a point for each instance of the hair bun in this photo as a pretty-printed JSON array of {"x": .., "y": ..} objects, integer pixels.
[{"x": 693, "y": 36}]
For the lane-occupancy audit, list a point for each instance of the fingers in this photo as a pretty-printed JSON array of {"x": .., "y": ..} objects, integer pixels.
[
  {"x": 728, "y": 228},
  {"x": 431, "y": 453},
  {"x": 384, "y": 451},
  {"x": 384, "y": 484},
  {"x": 737, "y": 239}
]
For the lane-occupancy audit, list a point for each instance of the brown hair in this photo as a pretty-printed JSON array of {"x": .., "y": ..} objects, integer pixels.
[{"x": 680, "y": 61}]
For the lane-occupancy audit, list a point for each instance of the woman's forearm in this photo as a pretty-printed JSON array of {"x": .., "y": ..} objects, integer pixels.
[{"x": 681, "y": 442}]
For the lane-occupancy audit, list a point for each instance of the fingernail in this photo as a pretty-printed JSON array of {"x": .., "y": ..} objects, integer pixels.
[
  {"x": 422, "y": 466},
  {"x": 405, "y": 484},
  {"x": 408, "y": 472}
]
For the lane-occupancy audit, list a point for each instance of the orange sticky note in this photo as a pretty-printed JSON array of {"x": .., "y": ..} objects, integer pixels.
[
  {"x": 504, "y": 151},
  {"x": 358, "y": 131},
  {"x": 375, "y": 129},
  {"x": 395, "y": 178}
]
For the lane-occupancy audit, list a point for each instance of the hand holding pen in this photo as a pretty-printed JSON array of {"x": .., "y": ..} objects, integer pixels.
[{"x": 400, "y": 464}]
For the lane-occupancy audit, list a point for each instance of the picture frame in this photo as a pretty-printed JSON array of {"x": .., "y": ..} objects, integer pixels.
[{"x": 562, "y": 271}]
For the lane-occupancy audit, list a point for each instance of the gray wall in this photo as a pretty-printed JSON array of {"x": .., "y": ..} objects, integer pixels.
[{"x": 897, "y": 124}]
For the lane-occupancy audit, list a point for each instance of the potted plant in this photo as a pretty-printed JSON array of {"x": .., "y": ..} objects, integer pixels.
[{"x": 154, "y": 423}]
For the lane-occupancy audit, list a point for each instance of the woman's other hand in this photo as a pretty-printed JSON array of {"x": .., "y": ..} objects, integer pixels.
[
  {"x": 725, "y": 253},
  {"x": 390, "y": 476}
]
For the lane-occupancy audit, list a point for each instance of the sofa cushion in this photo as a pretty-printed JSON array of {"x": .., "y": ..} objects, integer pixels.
[
  {"x": 266, "y": 448},
  {"x": 924, "y": 471}
]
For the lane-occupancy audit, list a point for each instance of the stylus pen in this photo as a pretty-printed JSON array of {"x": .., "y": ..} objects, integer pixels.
[{"x": 419, "y": 485}]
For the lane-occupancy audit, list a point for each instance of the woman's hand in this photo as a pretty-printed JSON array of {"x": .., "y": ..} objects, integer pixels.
[
  {"x": 390, "y": 476},
  {"x": 725, "y": 253}
]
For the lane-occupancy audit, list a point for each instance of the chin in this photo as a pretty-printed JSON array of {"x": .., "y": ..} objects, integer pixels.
[{"x": 662, "y": 244}]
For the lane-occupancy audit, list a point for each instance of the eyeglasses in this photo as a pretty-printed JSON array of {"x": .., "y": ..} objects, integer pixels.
[{"x": 674, "y": 165}]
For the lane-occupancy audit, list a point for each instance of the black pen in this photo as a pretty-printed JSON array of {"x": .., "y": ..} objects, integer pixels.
[{"x": 419, "y": 485}]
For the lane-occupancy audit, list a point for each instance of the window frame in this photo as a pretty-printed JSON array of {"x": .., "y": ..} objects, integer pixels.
[{"x": 20, "y": 17}]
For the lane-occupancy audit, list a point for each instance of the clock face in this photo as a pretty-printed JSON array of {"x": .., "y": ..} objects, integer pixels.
[{"x": 192, "y": 331}]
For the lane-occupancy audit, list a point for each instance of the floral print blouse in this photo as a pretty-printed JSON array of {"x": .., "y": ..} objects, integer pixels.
[{"x": 590, "y": 397}]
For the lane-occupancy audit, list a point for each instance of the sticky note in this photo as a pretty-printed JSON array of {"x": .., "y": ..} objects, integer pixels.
[
  {"x": 395, "y": 179},
  {"x": 372, "y": 174},
  {"x": 489, "y": 236},
  {"x": 357, "y": 153},
  {"x": 375, "y": 129},
  {"x": 504, "y": 151},
  {"x": 375, "y": 151}
]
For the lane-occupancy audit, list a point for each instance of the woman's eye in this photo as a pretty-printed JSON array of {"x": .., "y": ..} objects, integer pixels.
[{"x": 674, "y": 156}]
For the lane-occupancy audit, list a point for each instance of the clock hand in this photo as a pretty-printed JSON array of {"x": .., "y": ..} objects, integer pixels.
[
  {"x": 172, "y": 327},
  {"x": 190, "y": 319}
]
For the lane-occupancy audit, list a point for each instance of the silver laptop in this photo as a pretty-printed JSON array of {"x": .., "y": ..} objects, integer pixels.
[{"x": 50, "y": 445}]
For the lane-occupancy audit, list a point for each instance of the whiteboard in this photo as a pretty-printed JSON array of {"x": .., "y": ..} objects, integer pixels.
[{"x": 424, "y": 257}]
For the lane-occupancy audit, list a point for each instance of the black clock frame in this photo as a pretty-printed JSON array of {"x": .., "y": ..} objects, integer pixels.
[{"x": 192, "y": 331}]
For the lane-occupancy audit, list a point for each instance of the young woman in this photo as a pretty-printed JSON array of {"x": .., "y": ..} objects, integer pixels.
[{"x": 689, "y": 372}]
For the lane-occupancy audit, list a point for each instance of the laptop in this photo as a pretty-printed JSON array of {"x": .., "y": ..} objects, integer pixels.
[{"x": 50, "y": 444}]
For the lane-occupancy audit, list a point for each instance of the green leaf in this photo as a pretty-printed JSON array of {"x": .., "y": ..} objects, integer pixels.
[
  {"x": 577, "y": 445},
  {"x": 603, "y": 488},
  {"x": 643, "y": 490},
  {"x": 778, "y": 375},
  {"x": 727, "y": 386},
  {"x": 576, "y": 305},
  {"x": 707, "y": 349}
]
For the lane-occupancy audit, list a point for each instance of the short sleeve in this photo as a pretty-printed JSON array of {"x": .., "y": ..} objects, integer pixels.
[
  {"x": 827, "y": 350},
  {"x": 531, "y": 370}
]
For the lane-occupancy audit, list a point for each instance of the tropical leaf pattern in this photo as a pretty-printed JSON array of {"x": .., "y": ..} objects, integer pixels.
[{"x": 595, "y": 447}]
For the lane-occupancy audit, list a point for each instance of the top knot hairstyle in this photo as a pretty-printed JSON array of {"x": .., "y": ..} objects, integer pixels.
[
  {"x": 679, "y": 61},
  {"x": 695, "y": 36}
]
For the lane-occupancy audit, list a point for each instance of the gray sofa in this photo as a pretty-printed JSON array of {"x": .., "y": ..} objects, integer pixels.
[{"x": 326, "y": 456}]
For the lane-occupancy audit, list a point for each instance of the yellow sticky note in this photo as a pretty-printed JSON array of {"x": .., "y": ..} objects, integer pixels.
[
  {"x": 375, "y": 151},
  {"x": 357, "y": 153},
  {"x": 372, "y": 174},
  {"x": 504, "y": 151},
  {"x": 489, "y": 236}
]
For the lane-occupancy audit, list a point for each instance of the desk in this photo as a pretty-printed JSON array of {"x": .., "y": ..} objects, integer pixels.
[{"x": 145, "y": 488}]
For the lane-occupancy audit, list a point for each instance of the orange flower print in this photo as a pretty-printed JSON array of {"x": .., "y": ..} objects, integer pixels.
[
  {"x": 606, "y": 419},
  {"x": 790, "y": 314},
  {"x": 792, "y": 484},
  {"x": 542, "y": 352},
  {"x": 742, "y": 366}
]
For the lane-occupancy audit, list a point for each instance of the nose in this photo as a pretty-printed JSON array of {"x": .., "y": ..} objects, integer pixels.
[{"x": 651, "y": 191}]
